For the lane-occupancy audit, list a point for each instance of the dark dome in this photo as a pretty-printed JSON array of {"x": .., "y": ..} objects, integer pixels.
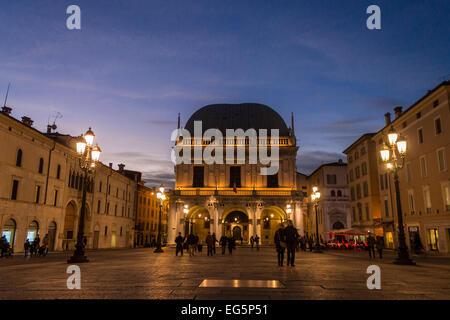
[{"x": 238, "y": 116}]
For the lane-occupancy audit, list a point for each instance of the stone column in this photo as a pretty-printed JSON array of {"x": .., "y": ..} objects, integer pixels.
[{"x": 173, "y": 223}]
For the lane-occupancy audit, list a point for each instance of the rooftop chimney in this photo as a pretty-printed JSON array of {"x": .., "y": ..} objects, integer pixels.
[
  {"x": 110, "y": 165},
  {"x": 6, "y": 110},
  {"x": 398, "y": 111},
  {"x": 121, "y": 166},
  {"x": 387, "y": 118},
  {"x": 27, "y": 121}
]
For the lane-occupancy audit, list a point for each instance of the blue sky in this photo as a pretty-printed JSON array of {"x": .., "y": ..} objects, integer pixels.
[{"x": 135, "y": 64}]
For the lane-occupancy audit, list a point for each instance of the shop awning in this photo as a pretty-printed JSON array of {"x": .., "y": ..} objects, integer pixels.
[{"x": 349, "y": 232}]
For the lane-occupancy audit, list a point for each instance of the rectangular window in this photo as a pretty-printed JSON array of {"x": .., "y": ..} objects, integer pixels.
[
  {"x": 367, "y": 212},
  {"x": 441, "y": 160},
  {"x": 446, "y": 196},
  {"x": 351, "y": 175},
  {"x": 331, "y": 179},
  {"x": 357, "y": 172},
  {"x": 235, "y": 177},
  {"x": 37, "y": 194},
  {"x": 437, "y": 125},
  {"x": 435, "y": 103},
  {"x": 99, "y": 203},
  {"x": 100, "y": 187},
  {"x": 366, "y": 189},
  {"x": 433, "y": 239},
  {"x": 364, "y": 168},
  {"x": 55, "y": 197},
  {"x": 272, "y": 181},
  {"x": 411, "y": 202},
  {"x": 427, "y": 199},
  {"x": 354, "y": 214},
  {"x": 386, "y": 185},
  {"x": 358, "y": 191},
  {"x": 381, "y": 182},
  {"x": 15, "y": 189},
  {"x": 420, "y": 135},
  {"x": 198, "y": 177},
  {"x": 423, "y": 166},
  {"x": 386, "y": 207},
  {"x": 360, "y": 212},
  {"x": 352, "y": 193},
  {"x": 408, "y": 171}
]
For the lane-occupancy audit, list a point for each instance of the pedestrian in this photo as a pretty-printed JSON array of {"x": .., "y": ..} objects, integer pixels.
[
  {"x": 252, "y": 240},
  {"x": 45, "y": 241},
  {"x": 179, "y": 241},
  {"x": 209, "y": 243},
  {"x": 3, "y": 243},
  {"x": 199, "y": 246},
  {"x": 280, "y": 244},
  {"x": 196, "y": 241},
  {"x": 191, "y": 244},
  {"x": 417, "y": 244},
  {"x": 380, "y": 246},
  {"x": 26, "y": 247},
  {"x": 36, "y": 245},
  {"x": 256, "y": 239},
  {"x": 214, "y": 242},
  {"x": 371, "y": 245},
  {"x": 291, "y": 242},
  {"x": 231, "y": 244},
  {"x": 223, "y": 243}
]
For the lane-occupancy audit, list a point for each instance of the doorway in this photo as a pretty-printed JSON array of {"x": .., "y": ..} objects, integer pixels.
[
  {"x": 51, "y": 236},
  {"x": 9, "y": 232}
]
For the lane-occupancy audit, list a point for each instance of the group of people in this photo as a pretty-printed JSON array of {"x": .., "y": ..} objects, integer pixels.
[
  {"x": 373, "y": 243},
  {"x": 193, "y": 244},
  {"x": 254, "y": 240},
  {"x": 286, "y": 239},
  {"x": 35, "y": 248}
]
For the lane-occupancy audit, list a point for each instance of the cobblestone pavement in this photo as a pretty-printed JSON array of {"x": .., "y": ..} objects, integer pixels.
[{"x": 142, "y": 274}]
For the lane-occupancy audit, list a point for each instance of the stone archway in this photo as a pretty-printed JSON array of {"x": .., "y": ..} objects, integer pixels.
[
  {"x": 198, "y": 222},
  {"x": 69, "y": 236},
  {"x": 32, "y": 230},
  {"x": 235, "y": 223},
  {"x": 52, "y": 235},
  {"x": 271, "y": 218}
]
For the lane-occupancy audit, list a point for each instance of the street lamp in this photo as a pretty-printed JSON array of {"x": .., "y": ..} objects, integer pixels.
[
  {"x": 288, "y": 211},
  {"x": 393, "y": 154},
  {"x": 88, "y": 158},
  {"x": 161, "y": 196},
  {"x": 315, "y": 196}
]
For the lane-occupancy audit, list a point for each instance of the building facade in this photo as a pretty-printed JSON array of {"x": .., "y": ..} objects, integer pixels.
[
  {"x": 425, "y": 177},
  {"x": 333, "y": 207},
  {"x": 41, "y": 190},
  {"x": 234, "y": 198}
]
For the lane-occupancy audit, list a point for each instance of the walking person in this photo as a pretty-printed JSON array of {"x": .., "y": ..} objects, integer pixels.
[
  {"x": 280, "y": 244},
  {"x": 291, "y": 242},
  {"x": 26, "y": 247},
  {"x": 214, "y": 242},
  {"x": 371, "y": 245},
  {"x": 310, "y": 243},
  {"x": 191, "y": 244},
  {"x": 231, "y": 245},
  {"x": 3, "y": 245},
  {"x": 45, "y": 242},
  {"x": 223, "y": 243},
  {"x": 252, "y": 240},
  {"x": 209, "y": 243},
  {"x": 36, "y": 245},
  {"x": 257, "y": 242},
  {"x": 179, "y": 241},
  {"x": 380, "y": 246}
]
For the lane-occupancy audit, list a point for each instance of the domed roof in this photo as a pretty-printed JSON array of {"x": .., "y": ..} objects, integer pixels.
[{"x": 238, "y": 116}]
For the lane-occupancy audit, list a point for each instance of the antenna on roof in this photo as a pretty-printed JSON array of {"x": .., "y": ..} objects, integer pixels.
[
  {"x": 292, "y": 123},
  {"x": 56, "y": 115},
  {"x": 178, "y": 121},
  {"x": 7, "y": 92}
]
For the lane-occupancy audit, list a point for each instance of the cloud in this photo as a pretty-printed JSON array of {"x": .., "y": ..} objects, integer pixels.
[{"x": 153, "y": 179}]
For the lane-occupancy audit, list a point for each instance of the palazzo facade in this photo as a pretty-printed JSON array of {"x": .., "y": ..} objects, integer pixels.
[{"x": 235, "y": 199}]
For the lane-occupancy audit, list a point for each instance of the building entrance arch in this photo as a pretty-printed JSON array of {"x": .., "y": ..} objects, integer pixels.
[
  {"x": 198, "y": 222},
  {"x": 271, "y": 218},
  {"x": 235, "y": 224}
]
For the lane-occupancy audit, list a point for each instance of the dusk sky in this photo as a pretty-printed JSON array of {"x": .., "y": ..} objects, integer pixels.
[{"x": 135, "y": 64}]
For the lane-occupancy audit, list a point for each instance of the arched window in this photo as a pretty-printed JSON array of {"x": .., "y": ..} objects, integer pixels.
[
  {"x": 41, "y": 165},
  {"x": 339, "y": 193},
  {"x": 58, "y": 172},
  {"x": 333, "y": 193},
  {"x": 338, "y": 225},
  {"x": 19, "y": 158}
]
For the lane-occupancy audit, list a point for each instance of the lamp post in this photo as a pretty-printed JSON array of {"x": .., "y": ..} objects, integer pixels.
[
  {"x": 161, "y": 196},
  {"x": 88, "y": 158},
  {"x": 315, "y": 196},
  {"x": 288, "y": 211},
  {"x": 393, "y": 154},
  {"x": 186, "y": 211}
]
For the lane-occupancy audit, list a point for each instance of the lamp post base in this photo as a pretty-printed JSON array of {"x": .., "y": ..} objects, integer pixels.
[
  {"x": 77, "y": 259},
  {"x": 404, "y": 261}
]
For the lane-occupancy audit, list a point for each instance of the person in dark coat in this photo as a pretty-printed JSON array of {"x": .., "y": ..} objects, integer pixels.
[
  {"x": 256, "y": 239},
  {"x": 26, "y": 247},
  {"x": 231, "y": 244},
  {"x": 179, "y": 241},
  {"x": 371, "y": 245},
  {"x": 223, "y": 243},
  {"x": 291, "y": 242},
  {"x": 209, "y": 243},
  {"x": 310, "y": 243},
  {"x": 191, "y": 244},
  {"x": 280, "y": 244},
  {"x": 380, "y": 246},
  {"x": 214, "y": 242}
]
